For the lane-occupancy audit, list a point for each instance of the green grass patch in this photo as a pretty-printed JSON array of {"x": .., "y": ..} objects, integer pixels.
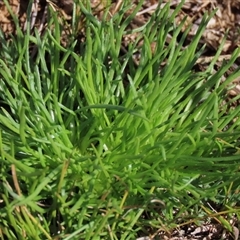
[{"x": 93, "y": 146}]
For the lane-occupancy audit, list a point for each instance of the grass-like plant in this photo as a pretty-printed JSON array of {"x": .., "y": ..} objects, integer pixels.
[{"x": 95, "y": 146}]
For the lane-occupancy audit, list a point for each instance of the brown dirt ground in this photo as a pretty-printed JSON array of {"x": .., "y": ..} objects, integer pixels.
[{"x": 226, "y": 19}]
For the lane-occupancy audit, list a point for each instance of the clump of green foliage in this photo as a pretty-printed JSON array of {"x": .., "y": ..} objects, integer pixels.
[{"x": 95, "y": 146}]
